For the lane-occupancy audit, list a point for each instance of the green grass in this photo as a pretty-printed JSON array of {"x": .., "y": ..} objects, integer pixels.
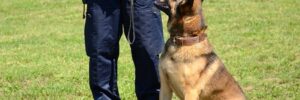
[{"x": 42, "y": 52}]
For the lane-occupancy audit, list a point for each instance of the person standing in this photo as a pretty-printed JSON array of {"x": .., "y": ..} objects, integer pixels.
[{"x": 105, "y": 22}]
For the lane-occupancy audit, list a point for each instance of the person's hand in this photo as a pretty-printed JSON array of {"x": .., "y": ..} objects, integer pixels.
[{"x": 163, "y": 6}]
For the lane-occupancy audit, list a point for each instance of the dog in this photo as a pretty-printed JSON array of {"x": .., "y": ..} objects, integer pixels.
[{"x": 188, "y": 65}]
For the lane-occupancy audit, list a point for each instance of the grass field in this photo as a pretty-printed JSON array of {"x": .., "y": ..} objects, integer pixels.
[{"x": 42, "y": 52}]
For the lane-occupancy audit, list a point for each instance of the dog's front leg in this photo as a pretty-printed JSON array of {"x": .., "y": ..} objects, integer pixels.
[
  {"x": 165, "y": 90},
  {"x": 191, "y": 95}
]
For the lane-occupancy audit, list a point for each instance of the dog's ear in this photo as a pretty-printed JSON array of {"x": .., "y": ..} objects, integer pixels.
[
  {"x": 163, "y": 6},
  {"x": 203, "y": 29}
]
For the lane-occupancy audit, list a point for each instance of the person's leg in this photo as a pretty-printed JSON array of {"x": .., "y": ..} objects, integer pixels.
[
  {"x": 146, "y": 47},
  {"x": 102, "y": 34}
]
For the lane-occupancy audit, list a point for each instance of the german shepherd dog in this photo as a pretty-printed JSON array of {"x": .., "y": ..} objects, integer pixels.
[{"x": 188, "y": 65}]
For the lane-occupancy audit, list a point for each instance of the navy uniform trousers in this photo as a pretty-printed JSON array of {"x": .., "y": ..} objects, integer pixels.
[{"x": 105, "y": 21}]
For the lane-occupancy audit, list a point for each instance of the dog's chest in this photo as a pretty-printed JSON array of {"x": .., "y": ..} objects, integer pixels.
[{"x": 182, "y": 74}]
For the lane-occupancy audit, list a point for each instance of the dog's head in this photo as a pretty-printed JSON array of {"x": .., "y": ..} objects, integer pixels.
[
  {"x": 179, "y": 7},
  {"x": 185, "y": 16}
]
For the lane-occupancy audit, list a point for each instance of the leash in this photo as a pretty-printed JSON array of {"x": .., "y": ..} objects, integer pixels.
[
  {"x": 83, "y": 12},
  {"x": 131, "y": 24},
  {"x": 83, "y": 8}
]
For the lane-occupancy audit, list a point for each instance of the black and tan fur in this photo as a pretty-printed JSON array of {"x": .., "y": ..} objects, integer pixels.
[{"x": 192, "y": 72}]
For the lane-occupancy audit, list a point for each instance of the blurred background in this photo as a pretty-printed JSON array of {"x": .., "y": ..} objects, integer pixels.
[{"x": 42, "y": 53}]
